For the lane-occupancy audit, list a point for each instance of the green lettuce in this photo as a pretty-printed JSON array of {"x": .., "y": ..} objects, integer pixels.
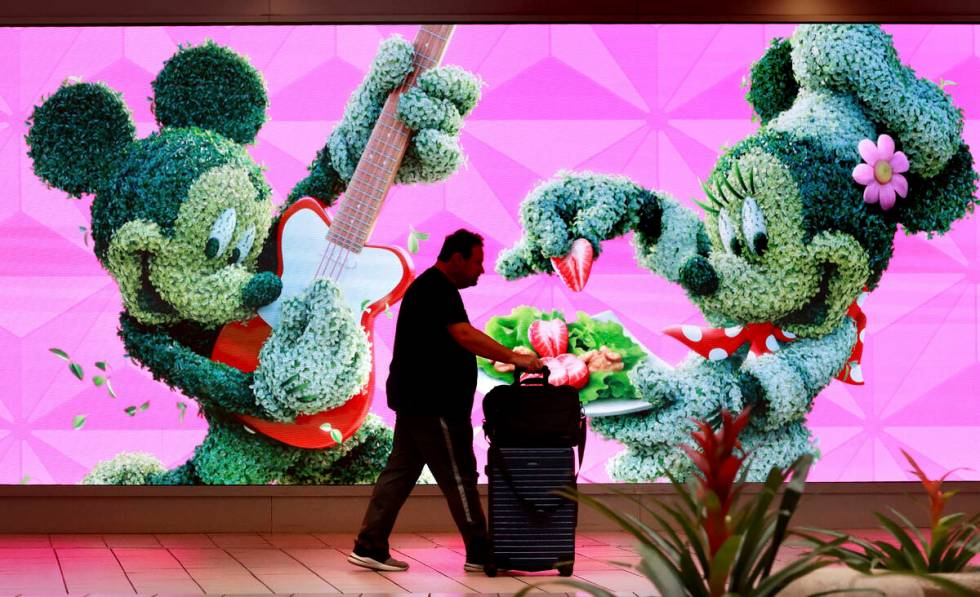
[{"x": 584, "y": 334}]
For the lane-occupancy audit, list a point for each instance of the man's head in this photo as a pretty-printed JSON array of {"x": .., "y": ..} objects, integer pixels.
[{"x": 461, "y": 258}]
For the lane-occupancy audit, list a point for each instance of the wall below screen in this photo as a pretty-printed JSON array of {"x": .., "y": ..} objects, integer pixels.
[{"x": 338, "y": 509}]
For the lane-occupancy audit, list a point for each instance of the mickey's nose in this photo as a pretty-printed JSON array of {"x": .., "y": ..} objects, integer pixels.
[
  {"x": 261, "y": 290},
  {"x": 698, "y": 277}
]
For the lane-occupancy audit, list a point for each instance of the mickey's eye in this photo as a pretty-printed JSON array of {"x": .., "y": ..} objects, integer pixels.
[
  {"x": 754, "y": 227},
  {"x": 243, "y": 247},
  {"x": 221, "y": 231},
  {"x": 726, "y": 231}
]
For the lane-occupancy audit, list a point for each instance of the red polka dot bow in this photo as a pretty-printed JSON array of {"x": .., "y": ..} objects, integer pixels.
[{"x": 716, "y": 344}]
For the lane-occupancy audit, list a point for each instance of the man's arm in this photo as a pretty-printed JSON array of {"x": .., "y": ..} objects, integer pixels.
[{"x": 483, "y": 345}]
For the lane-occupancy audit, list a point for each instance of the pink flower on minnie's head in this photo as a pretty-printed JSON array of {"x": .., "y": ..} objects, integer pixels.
[{"x": 881, "y": 172}]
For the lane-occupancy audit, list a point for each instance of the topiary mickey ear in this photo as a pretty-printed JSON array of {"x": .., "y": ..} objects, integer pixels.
[
  {"x": 77, "y": 137},
  {"x": 773, "y": 87},
  {"x": 213, "y": 88}
]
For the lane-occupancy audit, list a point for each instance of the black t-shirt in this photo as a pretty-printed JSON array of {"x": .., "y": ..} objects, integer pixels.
[{"x": 431, "y": 374}]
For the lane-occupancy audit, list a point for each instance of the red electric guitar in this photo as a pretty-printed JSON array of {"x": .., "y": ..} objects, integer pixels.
[{"x": 370, "y": 277}]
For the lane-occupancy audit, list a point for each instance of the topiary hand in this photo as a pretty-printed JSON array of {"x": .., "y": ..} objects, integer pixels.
[
  {"x": 316, "y": 359},
  {"x": 433, "y": 109}
]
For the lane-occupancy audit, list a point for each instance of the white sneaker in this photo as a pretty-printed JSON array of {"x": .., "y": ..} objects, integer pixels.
[
  {"x": 471, "y": 567},
  {"x": 389, "y": 565}
]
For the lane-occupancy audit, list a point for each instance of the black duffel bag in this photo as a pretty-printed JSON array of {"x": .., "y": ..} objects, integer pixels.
[{"x": 531, "y": 413}]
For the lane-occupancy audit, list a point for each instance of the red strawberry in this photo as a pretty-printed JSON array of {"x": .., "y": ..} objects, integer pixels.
[
  {"x": 557, "y": 374},
  {"x": 574, "y": 268},
  {"x": 578, "y": 371},
  {"x": 549, "y": 338}
]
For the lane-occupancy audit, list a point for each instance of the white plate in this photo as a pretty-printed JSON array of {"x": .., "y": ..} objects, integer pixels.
[{"x": 597, "y": 408}]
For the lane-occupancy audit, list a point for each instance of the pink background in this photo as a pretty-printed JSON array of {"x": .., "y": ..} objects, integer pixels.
[{"x": 652, "y": 102}]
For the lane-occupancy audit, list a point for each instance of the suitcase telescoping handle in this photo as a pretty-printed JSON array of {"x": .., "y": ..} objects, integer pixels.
[{"x": 539, "y": 378}]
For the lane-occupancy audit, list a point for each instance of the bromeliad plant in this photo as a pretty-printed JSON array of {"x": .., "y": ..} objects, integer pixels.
[
  {"x": 954, "y": 540},
  {"x": 718, "y": 542}
]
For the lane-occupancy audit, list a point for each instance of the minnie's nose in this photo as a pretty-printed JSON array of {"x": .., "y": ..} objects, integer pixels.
[{"x": 698, "y": 277}]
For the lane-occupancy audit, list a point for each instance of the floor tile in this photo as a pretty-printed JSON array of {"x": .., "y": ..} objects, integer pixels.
[
  {"x": 130, "y": 540},
  {"x": 293, "y": 540},
  {"x": 199, "y": 540},
  {"x": 78, "y": 541},
  {"x": 296, "y": 583},
  {"x": 239, "y": 540}
]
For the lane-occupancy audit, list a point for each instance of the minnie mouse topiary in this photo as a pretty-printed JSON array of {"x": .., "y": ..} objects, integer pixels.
[{"x": 799, "y": 220}]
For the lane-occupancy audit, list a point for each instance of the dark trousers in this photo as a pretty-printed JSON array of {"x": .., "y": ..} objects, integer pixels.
[{"x": 446, "y": 445}]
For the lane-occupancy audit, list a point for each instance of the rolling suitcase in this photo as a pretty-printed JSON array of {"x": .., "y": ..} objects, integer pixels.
[{"x": 534, "y": 430}]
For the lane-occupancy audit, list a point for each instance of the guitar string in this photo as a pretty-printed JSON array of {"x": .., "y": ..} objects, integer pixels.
[
  {"x": 336, "y": 266},
  {"x": 331, "y": 263}
]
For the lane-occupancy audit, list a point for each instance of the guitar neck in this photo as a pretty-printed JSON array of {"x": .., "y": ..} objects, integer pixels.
[{"x": 382, "y": 156}]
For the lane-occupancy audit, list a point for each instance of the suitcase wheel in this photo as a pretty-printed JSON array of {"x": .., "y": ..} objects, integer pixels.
[
  {"x": 490, "y": 570},
  {"x": 565, "y": 570}
]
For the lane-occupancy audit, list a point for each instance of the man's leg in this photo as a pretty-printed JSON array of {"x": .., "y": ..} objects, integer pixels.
[
  {"x": 448, "y": 450},
  {"x": 390, "y": 492}
]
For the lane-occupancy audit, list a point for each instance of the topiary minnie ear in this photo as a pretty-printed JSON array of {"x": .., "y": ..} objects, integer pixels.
[
  {"x": 773, "y": 88},
  {"x": 213, "y": 88},
  {"x": 78, "y": 135}
]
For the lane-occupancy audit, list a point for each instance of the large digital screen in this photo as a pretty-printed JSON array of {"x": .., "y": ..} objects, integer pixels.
[{"x": 652, "y": 128}]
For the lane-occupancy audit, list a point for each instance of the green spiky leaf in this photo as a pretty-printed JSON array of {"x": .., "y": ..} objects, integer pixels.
[
  {"x": 78, "y": 422},
  {"x": 98, "y": 380},
  {"x": 101, "y": 365},
  {"x": 60, "y": 353},
  {"x": 130, "y": 410}
]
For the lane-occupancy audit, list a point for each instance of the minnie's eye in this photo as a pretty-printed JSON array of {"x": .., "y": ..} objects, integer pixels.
[
  {"x": 754, "y": 227},
  {"x": 244, "y": 245},
  {"x": 220, "y": 235},
  {"x": 726, "y": 231}
]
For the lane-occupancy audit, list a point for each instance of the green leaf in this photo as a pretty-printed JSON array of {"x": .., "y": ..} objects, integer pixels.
[
  {"x": 662, "y": 574},
  {"x": 108, "y": 387},
  {"x": 388, "y": 312},
  {"x": 721, "y": 564},
  {"x": 60, "y": 353},
  {"x": 25, "y": 479},
  {"x": 326, "y": 427},
  {"x": 911, "y": 551},
  {"x": 130, "y": 410},
  {"x": 98, "y": 380},
  {"x": 421, "y": 235},
  {"x": 336, "y": 435},
  {"x": 413, "y": 244},
  {"x": 183, "y": 410},
  {"x": 78, "y": 422},
  {"x": 76, "y": 370},
  {"x": 101, "y": 365},
  {"x": 364, "y": 305},
  {"x": 145, "y": 405}
]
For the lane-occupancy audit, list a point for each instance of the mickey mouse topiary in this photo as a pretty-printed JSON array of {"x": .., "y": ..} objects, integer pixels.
[
  {"x": 182, "y": 219},
  {"x": 799, "y": 220}
]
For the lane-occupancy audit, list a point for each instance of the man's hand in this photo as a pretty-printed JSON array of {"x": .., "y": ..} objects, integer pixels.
[{"x": 527, "y": 362}]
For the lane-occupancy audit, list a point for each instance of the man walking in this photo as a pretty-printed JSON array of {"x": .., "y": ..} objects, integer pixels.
[{"x": 430, "y": 387}]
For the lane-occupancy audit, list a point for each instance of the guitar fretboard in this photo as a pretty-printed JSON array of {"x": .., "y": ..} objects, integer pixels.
[{"x": 352, "y": 225}]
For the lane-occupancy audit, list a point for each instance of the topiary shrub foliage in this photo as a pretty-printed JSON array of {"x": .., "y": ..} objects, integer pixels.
[
  {"x": 182, "y": 220},
  {"x": 799, "y": 219}
]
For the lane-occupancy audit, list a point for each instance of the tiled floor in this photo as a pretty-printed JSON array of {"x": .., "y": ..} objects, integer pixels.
[
  {"x": 37, "y": 565},
  {"x": 253, "y": 564}
]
